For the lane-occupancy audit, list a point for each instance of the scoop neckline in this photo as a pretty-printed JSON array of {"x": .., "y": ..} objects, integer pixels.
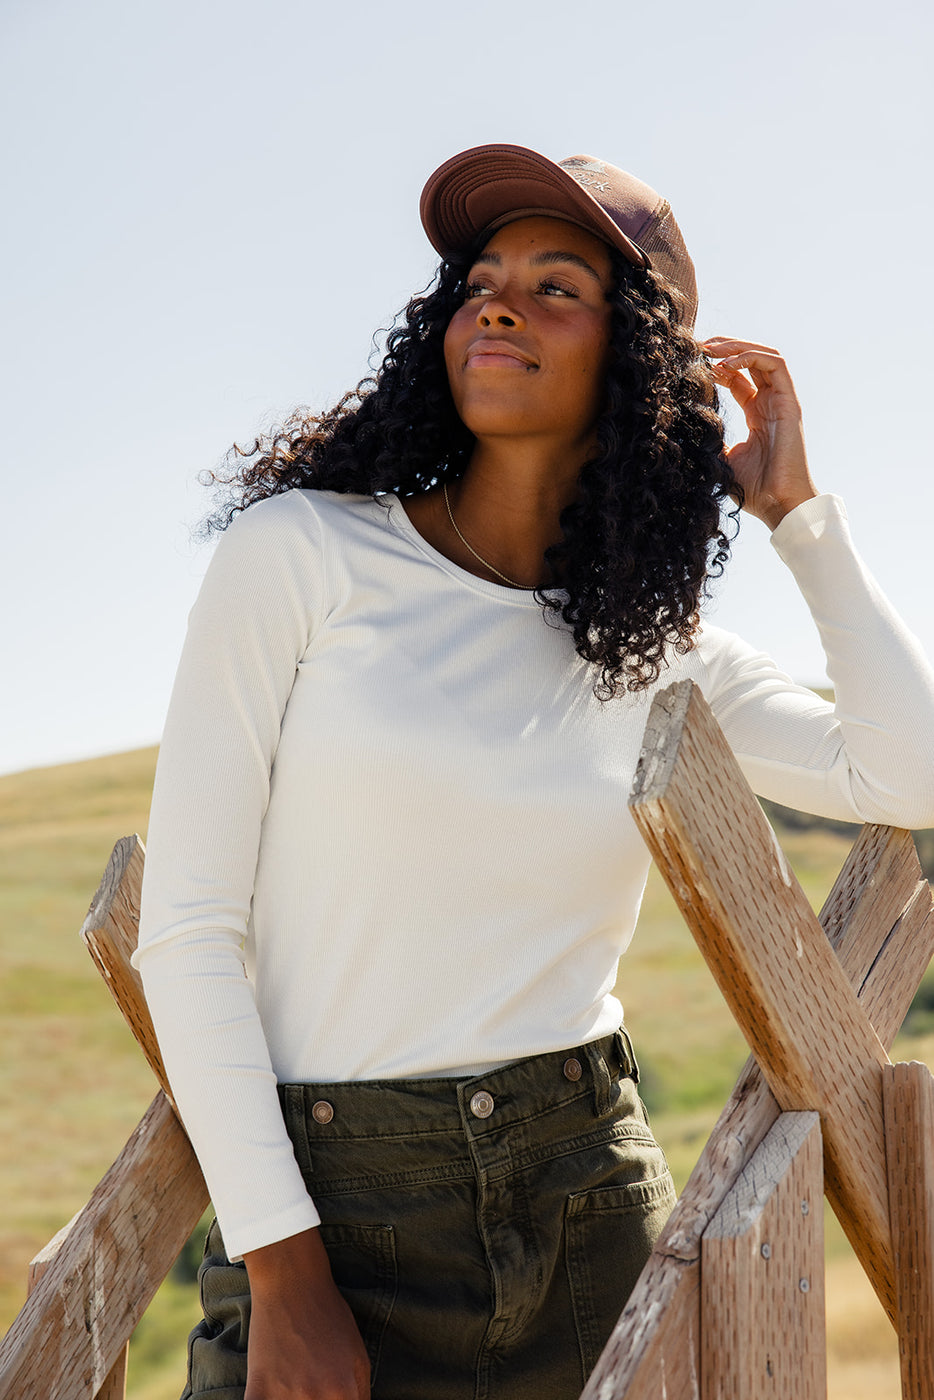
[{"x": 518, "y": 597}]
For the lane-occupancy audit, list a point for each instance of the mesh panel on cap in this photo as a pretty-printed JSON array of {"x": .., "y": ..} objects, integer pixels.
[{"x": 665, "y": 246}]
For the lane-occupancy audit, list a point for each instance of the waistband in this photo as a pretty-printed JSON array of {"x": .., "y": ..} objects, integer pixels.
[{"x": 516, "y": 1092}]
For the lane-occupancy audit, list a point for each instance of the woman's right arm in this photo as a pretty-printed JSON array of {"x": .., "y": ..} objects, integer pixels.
[
  {"x": 257, "y": 609},
  {"x": 303, "y": 1339}
]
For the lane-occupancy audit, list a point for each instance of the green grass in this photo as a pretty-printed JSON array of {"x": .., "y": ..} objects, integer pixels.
[{"x": 73, "y": 1084}]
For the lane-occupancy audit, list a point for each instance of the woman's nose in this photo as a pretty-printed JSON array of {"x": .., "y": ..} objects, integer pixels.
[{"x": 497, "y": 312}]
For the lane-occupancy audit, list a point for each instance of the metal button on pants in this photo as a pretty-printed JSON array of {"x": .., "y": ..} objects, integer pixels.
[{"x": 481, "y": 1104}]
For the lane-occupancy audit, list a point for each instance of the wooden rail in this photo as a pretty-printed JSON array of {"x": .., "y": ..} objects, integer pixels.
[
  {"x": 719, "y": 858},
  {"x": 94, "y": 1281}
]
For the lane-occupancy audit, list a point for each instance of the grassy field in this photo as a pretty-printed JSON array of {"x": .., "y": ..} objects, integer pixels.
[{"x": 73, "y": 1084}]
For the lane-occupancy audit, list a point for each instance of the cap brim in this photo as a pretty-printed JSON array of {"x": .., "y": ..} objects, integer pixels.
[{"x": 487, "y": 186}]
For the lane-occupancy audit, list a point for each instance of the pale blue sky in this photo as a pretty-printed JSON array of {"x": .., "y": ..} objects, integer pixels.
[{"x": 209, "y": 208}]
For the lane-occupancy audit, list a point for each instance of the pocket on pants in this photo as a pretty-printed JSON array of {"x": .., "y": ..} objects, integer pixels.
[
  {"x": 610, "y": 1232},
  {"x": 217, "y": 1346},
  {"x": 363, "y": 1263}
]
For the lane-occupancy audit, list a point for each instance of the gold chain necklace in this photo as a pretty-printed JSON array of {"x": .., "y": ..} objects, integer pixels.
[{"x": 479, "y": 557}]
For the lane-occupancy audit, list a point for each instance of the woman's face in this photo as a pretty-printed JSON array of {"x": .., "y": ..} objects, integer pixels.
[{"x": 527, "y": 353}]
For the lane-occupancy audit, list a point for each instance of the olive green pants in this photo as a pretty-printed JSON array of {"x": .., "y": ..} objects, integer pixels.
[{"x": 486, "y": 1232}]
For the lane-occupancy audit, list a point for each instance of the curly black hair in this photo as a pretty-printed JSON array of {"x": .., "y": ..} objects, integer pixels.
[{"x": 646, "y": 532}]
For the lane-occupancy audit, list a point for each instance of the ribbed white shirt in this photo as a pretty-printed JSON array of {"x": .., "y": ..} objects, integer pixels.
[{"x": 389, "y": 833}]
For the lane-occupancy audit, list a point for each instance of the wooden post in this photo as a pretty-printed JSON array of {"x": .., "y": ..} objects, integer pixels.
[
  {"x": 111, "y": 931},
  {"x": 74, "y": 1325},
  {"x": 104, "y": 1267},
  {"x": 778, "y": 974},
  {"x": 762, "y": 1274},
  {"x": 114, "y": 1386},
  {"x": 654, "y": 1349},
  {"x": 879, "y": 879},
  {"x": 909, "y": 1140}
]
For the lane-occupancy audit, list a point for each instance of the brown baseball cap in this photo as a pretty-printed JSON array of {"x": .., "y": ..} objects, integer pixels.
[{"x": 486, "y": 187}]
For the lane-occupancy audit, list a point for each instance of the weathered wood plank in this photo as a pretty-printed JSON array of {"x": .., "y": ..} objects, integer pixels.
[
  {"x": 768, "y": 953},
  {"x": 110, "y": 931},
  {"x": 654, "y": 1349},
  {"x": 155, "y": 1176},
  {"x": 906, "y": 965},
  {"x": 106, "y": 1267},
  {"x": 114, "y": 1386},
  {"x": 908, "y": 1090},
  {"x": 762, "y": 1273},
  {"x": 903, "y": 954},
  {"x": 881, "y": 875}
]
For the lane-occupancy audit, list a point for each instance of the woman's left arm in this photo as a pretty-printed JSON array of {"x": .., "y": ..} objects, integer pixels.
[{"x": 869, "y": 756}]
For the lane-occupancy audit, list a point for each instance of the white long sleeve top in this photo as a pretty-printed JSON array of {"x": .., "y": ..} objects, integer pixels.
[{"x": 389, "y": 832}]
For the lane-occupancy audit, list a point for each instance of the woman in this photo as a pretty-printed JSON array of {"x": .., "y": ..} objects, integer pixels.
[{"x": 393, "y": 787}]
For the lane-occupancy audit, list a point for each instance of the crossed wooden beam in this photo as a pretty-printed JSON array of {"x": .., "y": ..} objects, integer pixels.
[
  {"x": 712, "y": 1317},
  {"x": 730, "y": 1305}
]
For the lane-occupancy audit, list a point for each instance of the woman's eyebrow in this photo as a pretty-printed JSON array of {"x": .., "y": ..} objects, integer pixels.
[
  {"x": 548, "y": 259},
  {"x": 545, "y": 259}
]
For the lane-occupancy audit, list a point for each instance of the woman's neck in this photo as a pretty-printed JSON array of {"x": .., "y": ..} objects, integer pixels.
[{"x": 501, "y": 516}]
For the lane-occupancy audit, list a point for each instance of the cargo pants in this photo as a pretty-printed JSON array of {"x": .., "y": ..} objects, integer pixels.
[{"x": 486, "y": 1232}]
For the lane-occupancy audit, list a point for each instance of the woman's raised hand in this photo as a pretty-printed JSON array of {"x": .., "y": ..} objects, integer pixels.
[
  {"x": 771, "y": 465},
  {"x": 304, "y": 1343}
]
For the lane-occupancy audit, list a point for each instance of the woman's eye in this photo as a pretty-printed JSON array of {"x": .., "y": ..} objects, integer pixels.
[
  {"x": 476, "y": 289},
  {"x": 551, "y": 288}
]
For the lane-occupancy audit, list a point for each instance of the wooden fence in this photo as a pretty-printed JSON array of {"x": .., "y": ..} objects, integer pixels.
[{"x": 731, "y": 1304}]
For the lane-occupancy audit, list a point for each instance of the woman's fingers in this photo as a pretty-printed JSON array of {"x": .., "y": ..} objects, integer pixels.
[
  {"x": 747, "y": 369},
  {"x": 717, "y": 345},
  {"x": 745, "y": 380},
  {"x": 761, "y": 362},
  {"x": 765, "y": 364},
  {"x": 735, "y": 381}
]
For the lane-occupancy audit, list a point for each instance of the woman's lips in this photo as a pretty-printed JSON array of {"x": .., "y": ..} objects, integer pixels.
[{"x": 493, "y": 355}]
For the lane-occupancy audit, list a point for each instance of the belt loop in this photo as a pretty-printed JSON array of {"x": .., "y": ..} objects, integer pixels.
[
  {"x": 627, "y": 1056},
  {"x": 601, "y": 1077},
  {"x": 294, "y": 1101}
]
